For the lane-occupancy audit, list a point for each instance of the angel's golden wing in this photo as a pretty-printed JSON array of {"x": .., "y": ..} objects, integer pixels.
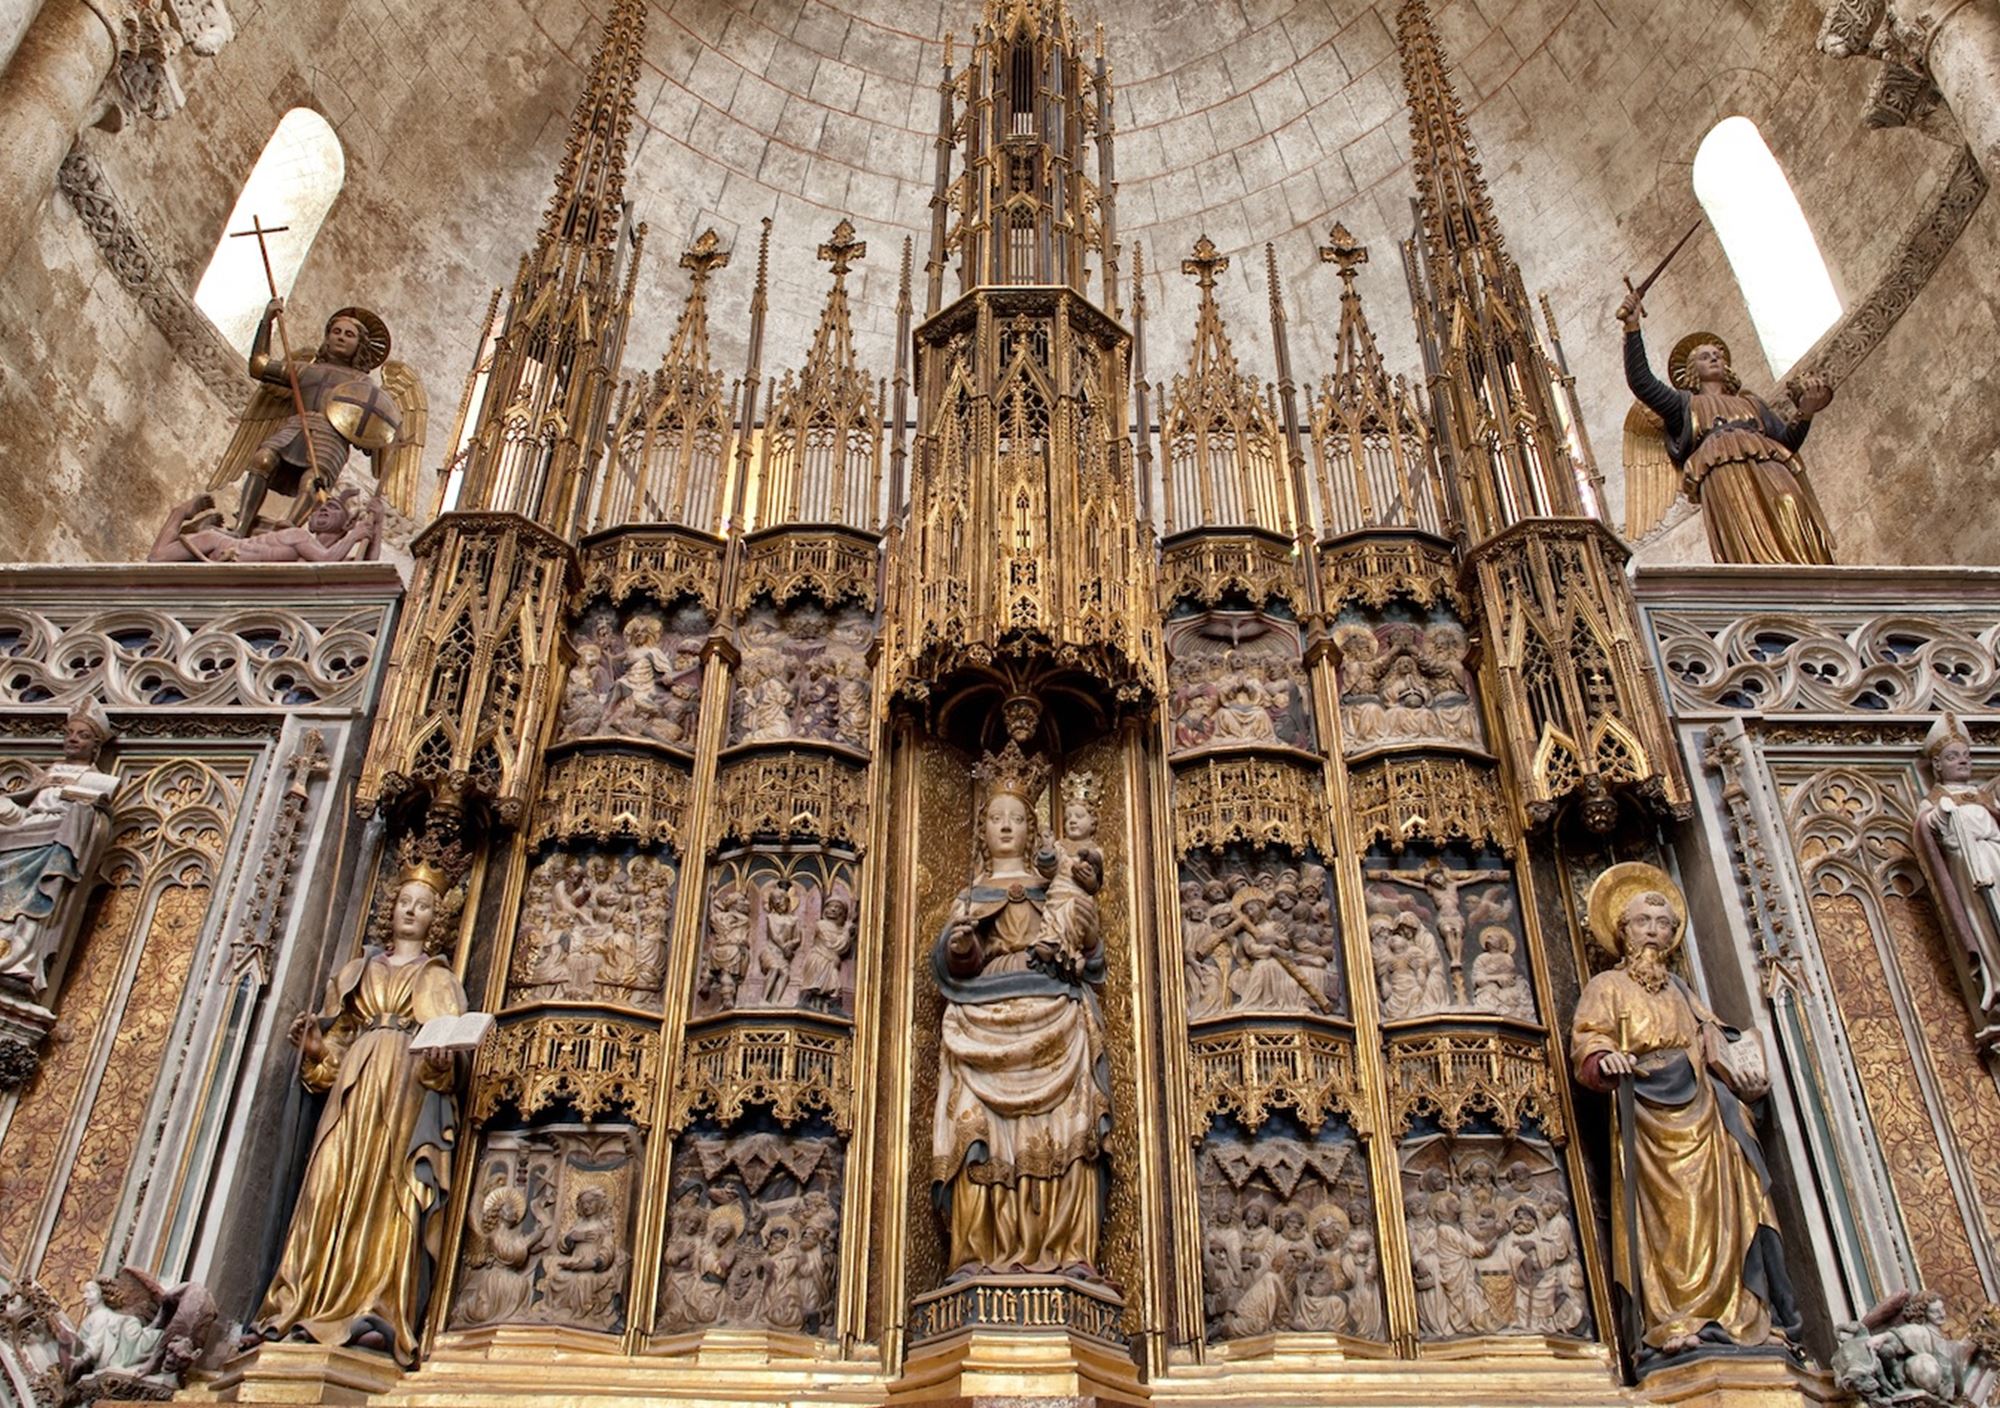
[
  {"x": 399, "y": 469},
  {"x": 1652, "y": 481},
  {"x": 269, "y": 407}
]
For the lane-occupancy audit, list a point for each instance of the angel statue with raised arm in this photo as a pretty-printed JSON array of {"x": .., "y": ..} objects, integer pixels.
[
  {"x": 308, "y": 412},
  {"x": 1736, "y": 456}
]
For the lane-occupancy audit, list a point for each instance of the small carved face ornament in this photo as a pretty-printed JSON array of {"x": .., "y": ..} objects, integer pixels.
[
  {"x": 1648, "y": 923},
  {"x": 416, "y": 906},
  {"x": 343, "y": 339},
  {"x": 1006, "y": 826}
]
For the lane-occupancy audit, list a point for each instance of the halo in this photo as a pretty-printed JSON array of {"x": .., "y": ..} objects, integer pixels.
[
  {"x": 1615, "y": 890},
  {"x": 1677, "y": 359},
  {"x": 374, "y": 348}
]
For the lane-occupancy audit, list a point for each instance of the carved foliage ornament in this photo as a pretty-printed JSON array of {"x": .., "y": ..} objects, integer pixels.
[
  {"x": 1256, "y": 801},
  {"x": 1372, "y": 572},
  {"x": 601, "y": 796},
  {"x": 663, "y": 563},
  {"x": 1455, "y": 1075},
  {"x": 1251, "y": 1072},
  {"x": 792, "y": 795},
  {"x": 594, "y": 1065},
  {"x": 833, "y": 566},
  {"x": 1208, "y": 567},
  {"x": 793, "y": 1069},
  {"x": 1401, "y": 800}
]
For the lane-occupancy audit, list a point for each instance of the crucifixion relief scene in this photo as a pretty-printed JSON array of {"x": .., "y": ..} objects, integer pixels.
[{"x": 1000, "y": 703}]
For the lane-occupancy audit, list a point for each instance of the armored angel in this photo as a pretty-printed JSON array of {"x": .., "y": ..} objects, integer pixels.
[
  {"x": 308, "y": 412},
  {"x": 1736, "y": 456}
]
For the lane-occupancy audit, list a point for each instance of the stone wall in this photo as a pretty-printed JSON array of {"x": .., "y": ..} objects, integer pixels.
[{"x": 1252, "y": 122}]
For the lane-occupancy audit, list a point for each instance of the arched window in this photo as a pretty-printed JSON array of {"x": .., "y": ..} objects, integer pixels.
[
  {"x": 1771, "y": 248},
  {"x": 293, "y": 184}
]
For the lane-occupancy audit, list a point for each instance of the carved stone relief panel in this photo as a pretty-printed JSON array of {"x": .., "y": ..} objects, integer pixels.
[
  {"x": 1236, "y": 677},
  {"x": 1444, "y": 932},
  {"x": 1405, "y": 681},
  {"x": 779, "y": 933},
  {"x": 637, "y": 673},
  {"x": 546, "y": 1236},
  {"x": 594, "y": 928},
  {"x": 1493, "y": 1243},
  {"x": 805, "y": 674},
  {"x": 1259, "y": 934},
  {"x": 1288, "y": 1233},
  {"x": 753, "y": 1232}
]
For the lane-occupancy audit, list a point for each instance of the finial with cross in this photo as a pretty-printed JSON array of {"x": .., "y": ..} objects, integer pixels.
[
  {"x": 1205, "y": 263},
  {"x": 843, "y": 249},
  {"x": 704, "y": 257},
  {"x": 1345, "y": 251}
]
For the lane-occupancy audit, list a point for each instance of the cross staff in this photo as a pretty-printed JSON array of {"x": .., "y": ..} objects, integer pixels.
[
  {"x": 258, "y": 229},
  {"x": 1660, "y": 268}
]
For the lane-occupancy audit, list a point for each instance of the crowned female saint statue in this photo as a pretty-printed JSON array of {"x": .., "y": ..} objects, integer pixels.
[
  {"x": 1957, "y": 840},
  {"x": 1694, "y": 1236},
  {"x": 360, "y": 1257},
  {"x": 295, "y": 435},
  {"x": 1024, "y": 1083},
  {"x": 52, "y": 834},
  {"x": 1735, "y": 455}
]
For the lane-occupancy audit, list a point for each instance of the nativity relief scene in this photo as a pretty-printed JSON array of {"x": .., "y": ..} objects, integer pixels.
[{"x": 1024, "y": 704}]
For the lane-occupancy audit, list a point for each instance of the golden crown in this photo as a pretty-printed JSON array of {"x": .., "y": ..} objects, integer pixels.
[
  {"x": 425, "y": 872},
  {"x": 1013, "y": 773}
]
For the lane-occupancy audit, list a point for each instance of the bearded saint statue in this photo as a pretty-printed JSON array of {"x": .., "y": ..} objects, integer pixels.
[{"x": 1694, "y": 1236}]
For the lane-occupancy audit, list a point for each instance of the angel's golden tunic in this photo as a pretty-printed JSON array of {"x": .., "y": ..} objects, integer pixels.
[
  {"x": 1699, "y": 1197},
  {"x": 378, "y": 1165}
]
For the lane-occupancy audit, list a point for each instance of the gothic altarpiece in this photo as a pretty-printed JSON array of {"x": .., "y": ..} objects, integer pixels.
[{"x": 943, "y": 942}]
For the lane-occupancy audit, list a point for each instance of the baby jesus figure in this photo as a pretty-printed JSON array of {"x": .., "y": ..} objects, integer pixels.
[{"x": 1074, "y": 870}]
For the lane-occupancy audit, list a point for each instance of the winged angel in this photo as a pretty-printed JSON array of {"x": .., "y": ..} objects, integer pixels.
[{"x": 345, "y": 408}]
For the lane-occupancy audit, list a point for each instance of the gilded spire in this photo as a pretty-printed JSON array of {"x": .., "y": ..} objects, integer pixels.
[
  {"x": 1457, "y": 211},
  {"x": 589, "y": 199},
  {"x": 1358, "y": 371},
  {"x": 687, "y": 354}
]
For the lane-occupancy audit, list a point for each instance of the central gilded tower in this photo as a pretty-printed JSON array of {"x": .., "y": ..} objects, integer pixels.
[{"x": 1023, "y": 541}]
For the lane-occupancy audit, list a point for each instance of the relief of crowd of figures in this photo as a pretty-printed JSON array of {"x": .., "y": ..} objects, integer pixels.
[
  {"x": 1493, "y": 1246},
  {"x": 594, "y": 928},
  {"x": 804, "y": 674},
  {"x": 637, "y": 674},
  {"x": 1288, "y": 1235},
  {"x": 780, "y": 934},
  {"x": 1445, "y": 937},
  {"x": 1258, "y": 935},
  {"x": 1235, "y": 678},
  {"x": 545, "y": 1240},
  {"x": 753, "y": 1233},
  {"x": 1405, "y": 683}
]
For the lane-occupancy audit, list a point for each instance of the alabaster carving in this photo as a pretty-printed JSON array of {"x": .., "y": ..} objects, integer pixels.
[
  {"x": 1695, "y": 1235},
  {"x": 52, "y": 834},
  {"x": 805, "y": 674},
  {"x": 1446, "y": 939},
  {"x": 637, "y": 674},
  {"x": 1024, "y": 1100},
  {"x": 1493, "y": 1245},
  {"x": 547, "y": 1230},
  {"x": 1957, "y": 838},
  {"x": 363, "y": 1238},
  {"x": 1405, "y": 683},
  {"x": 1258, "y": 935},
  {"x": 335, "y": 527},
  {"x": 1235, "y": 677},
  {"x": 1288, "y": 1236},
  {"x": 780, "y": 934},
  {"x": 1898, "y": 1355},
  {"x": 594, "y": 928},
  {"x": 753, "y": 1233},
  {"x": 137, "y": 1339}
]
